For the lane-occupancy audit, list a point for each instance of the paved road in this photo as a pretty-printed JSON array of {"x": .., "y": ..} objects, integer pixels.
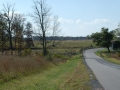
[{"x": 108, "y": 74}]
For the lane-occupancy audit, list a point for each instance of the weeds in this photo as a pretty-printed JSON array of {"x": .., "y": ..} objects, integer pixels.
[
  {"x": 26, "y": 52},
  {"x": 12, "y": 67},
  {"x": 113, "y": 57}
]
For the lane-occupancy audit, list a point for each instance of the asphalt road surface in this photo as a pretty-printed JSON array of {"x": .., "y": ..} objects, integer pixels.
[{"x": 108, "y": 74}]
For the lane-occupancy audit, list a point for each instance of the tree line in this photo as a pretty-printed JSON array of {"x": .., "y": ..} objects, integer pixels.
[
  {"x": 61, "y": 38},
  {"x": 12, "y": 30}
]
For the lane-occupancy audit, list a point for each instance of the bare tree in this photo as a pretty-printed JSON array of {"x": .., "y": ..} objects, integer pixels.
[
  {"x": 54, "y": 33},
  {"x": 44, "y": 21},
  {"x": 8, "y": 11}
]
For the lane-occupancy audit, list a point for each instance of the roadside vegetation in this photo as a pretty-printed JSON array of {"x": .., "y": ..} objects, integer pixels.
[
  {"x": 46, "y": 63},
  {"x": 108, "y": 39},
  {"x": 69, "y": 75},
  {"x": 113, "y": 57},
  {"x": 61, "y": 69}
]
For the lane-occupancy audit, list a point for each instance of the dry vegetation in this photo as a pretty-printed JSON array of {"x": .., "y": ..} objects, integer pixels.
[
  {"x": 66, "y": 44},
  {"x": 14, "y": 67},
  {"x": 113, "y": 57},
  {"x": 71, "y": 75}
]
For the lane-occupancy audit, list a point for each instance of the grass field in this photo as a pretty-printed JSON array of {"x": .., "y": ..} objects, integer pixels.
[
  {"x": 70, "y": 44},
  {"x": 71, "y": 75},
  {"x": 61, "y": 69},
  {"x": 113, "y": 57}
]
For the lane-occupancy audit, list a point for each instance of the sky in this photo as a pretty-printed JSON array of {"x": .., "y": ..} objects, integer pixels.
[{"x": 76, "y": 17}]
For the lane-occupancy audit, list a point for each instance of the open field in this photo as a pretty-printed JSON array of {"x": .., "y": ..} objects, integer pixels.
[
  {"x": 76, "y": 43},
  {"x": 69, "y": 44},
  {"x": 113, "y": 57},
  {"x": 61, "y": 69}
]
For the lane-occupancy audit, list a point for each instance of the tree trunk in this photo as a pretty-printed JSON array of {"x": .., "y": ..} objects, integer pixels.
[
  {"x": 10, "y": 38},
  {"x": 108, "y": 49},
  {"x": 2, "y": 42},
  {"x": 44, "y": 45}
]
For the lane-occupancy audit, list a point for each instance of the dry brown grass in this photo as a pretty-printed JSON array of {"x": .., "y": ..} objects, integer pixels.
[
  {"x": 113, "y": 57},
  {"x": 12, "y": 67}
]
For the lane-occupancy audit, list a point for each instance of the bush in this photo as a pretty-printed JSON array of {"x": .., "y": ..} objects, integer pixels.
[
  {"x": 26, "y": 52},
  {"x": 49, "y": 57},
  {"x": 118, "y": 54}
]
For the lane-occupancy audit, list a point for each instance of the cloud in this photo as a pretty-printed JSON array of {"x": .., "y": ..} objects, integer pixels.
[
  {"x": 69, "y": 21},
  {"x": 95, "y": 23},
  {"x": 79, "y": 27},
  {"x": 62, "y": 20},
  {"x": 78, "y": 21},
  {"x": 14, "y": 13},
  {"x": 100, "y": 21},
  {"x": 17, "y": 12}
]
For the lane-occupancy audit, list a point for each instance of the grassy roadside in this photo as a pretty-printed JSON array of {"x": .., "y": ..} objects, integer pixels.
[
  {"x": 111, "y": 57},
  {"x": 71, "y": 75}
]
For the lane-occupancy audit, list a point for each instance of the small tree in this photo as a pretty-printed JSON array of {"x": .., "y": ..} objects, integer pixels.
[
  {"x": 18, "y": 27},
  {"x": 28, "y": 32},
  {"x": 88, "y": 37},
  {"x": 103, "y": 38},
  {"x": 117, "y": 32}
]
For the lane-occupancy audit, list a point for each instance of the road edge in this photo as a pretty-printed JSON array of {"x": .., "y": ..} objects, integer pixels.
[{"x": 93, "y": 82}]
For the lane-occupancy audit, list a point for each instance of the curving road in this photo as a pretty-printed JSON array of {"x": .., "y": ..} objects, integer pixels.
[{"x": 108, "y": 74}]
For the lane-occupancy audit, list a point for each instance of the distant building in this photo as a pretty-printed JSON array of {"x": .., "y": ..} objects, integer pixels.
[{"x": 115, "y": 45}]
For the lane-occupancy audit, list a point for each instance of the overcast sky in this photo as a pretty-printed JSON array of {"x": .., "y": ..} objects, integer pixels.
[{"x": 77, "y": 17}]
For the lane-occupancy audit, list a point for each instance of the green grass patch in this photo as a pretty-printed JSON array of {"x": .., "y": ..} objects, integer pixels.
[
  {"x": 71, "y": 75},
  {"x": 111, "y": 57}
]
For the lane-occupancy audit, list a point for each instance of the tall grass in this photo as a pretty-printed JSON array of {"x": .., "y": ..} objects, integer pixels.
[
  {"x": 12, "y": 67},
  {"x": 71, "y": 75},
  {"x": 113, "y": 57}
]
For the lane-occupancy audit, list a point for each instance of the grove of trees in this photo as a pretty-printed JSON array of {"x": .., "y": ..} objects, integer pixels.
[{"x": 14, "y": 28}]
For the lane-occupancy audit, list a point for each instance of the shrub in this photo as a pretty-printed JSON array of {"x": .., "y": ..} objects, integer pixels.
[
  {"x": 26, "y": 52},
  {"x": 118, "y": 54},
  {"x": 49, "y": 57}
]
